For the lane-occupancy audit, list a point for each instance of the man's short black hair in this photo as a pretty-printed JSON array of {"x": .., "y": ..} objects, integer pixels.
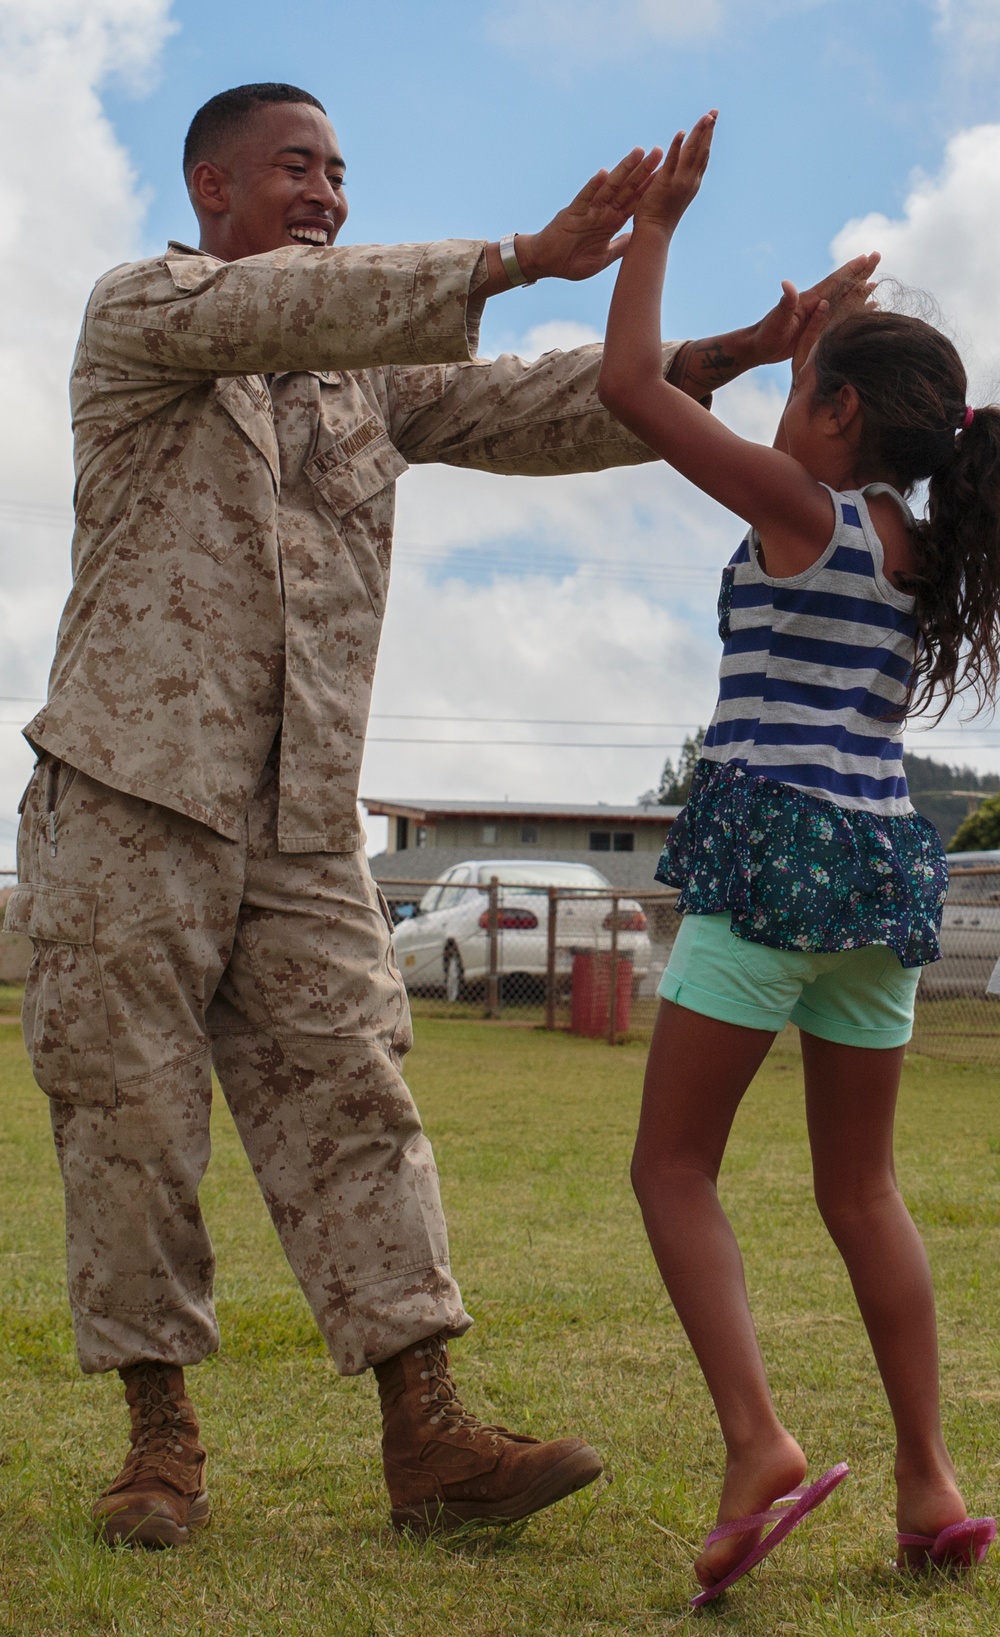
[{"x": 230, "y": 109}]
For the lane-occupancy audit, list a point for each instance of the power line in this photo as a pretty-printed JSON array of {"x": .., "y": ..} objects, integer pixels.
[
  {"x": 464, "y": 560},
  {"x": 536, "y": 744},
  {"x": 524, "y": 721}
]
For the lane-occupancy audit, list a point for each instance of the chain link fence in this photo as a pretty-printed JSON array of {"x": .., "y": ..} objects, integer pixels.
[
  {"x": 525, "y": 951},
  {"x": 589, "y": 960},
  {"x": 955, "y": 1017}
]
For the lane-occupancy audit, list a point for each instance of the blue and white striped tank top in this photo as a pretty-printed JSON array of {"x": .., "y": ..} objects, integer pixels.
[{"x": 815, "y": 668}]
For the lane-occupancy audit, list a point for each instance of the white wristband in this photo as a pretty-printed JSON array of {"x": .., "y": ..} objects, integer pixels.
[{"x": 511, "y": 265}]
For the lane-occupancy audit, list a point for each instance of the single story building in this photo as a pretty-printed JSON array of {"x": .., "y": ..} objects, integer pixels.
[{"x": 428, "y": 837}]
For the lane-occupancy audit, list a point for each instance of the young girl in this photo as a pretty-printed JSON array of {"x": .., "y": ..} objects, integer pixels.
[{"x": 812, "y": 892}]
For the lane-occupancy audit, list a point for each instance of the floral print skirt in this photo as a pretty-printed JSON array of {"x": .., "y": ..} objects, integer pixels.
[{"x": 797, "y": 872}]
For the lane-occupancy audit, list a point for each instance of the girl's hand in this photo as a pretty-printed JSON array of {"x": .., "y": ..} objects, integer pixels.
[{"x": 678, "y": 179}]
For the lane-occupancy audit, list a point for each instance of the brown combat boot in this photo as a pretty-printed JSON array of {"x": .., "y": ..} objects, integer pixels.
[
  {"x": 159, "y": 1495},
  {"x": 443, "y": 1467}
]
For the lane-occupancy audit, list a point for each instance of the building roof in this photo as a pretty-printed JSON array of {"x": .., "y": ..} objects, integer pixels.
[
  {"x": 630, "y": 872},
  {"x": 424, "y": 811}
]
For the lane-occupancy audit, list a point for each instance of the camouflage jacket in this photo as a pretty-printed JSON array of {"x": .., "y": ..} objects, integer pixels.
[{"x": 206, "y": 612}]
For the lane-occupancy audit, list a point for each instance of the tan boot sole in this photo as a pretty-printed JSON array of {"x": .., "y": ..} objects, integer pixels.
[
  {"x": 152, "y": 1530},
  {"x": 434, "y": 1516}
]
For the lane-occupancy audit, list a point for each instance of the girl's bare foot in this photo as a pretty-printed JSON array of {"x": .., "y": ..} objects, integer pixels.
[
  {"x": 926, "y": 1503},
  {"x": 754, "y": 1481}
]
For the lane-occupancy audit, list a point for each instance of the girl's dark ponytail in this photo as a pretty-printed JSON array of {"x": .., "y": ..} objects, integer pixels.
[
  {"x": 957, "y": 578},
  {"x": 912, "y": 389}
]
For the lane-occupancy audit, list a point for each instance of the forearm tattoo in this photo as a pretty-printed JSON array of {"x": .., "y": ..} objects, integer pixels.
[{"x": 701, "y": 366}]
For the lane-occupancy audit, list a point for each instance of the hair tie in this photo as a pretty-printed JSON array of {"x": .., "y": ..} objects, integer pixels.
[{"x": 967, "y": 419}]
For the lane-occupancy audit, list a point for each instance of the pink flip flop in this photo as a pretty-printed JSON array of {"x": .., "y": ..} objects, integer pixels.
[
  {"x": 960, "y": 1546},
  {"x": 785, "y": 1514}
]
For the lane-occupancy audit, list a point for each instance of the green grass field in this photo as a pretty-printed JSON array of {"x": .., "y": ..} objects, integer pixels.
[{"x": 532, "y": 1134}]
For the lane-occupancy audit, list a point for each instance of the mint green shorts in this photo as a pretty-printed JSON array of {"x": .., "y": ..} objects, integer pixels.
[{"x": 857, "y": 997}]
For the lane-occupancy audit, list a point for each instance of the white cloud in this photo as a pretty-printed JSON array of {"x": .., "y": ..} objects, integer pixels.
[
  {"x": 971, "y": 29},
  {"x": 580, "y": 28},
  {"x": 587, "y": 33},
  {"x": 947, "y": 241},
  {"x": 571, "y": 650},
  {"x": 616, "y": 624},
  {"x": 557, "y": 334},
  {"x": 69, "y": 209}
]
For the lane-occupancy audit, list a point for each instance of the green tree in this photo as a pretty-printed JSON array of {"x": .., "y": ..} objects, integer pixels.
[
  {"x": 675, "y": 783},
  {"x": 981, "y": 830}
]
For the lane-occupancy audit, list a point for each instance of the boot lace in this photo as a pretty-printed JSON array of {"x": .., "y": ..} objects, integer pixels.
[
  {"x": 441, "y": 1397},
  {"x": 159, "y": 1424}
]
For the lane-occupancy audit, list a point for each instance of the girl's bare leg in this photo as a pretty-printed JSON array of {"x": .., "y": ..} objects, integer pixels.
[
  {"x": 851, "y": 1103},
  {"x": 697, "y": 1073}
]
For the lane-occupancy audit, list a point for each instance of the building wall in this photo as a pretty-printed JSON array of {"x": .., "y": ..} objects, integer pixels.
[{"x": 553, "y": 834}]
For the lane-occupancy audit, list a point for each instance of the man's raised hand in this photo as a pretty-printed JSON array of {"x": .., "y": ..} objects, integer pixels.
[
  {"x": 585, "y": 237},
  {"x": 792, "y": 328}
]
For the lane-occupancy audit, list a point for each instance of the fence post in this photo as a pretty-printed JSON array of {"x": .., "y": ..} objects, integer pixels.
[
  {"x": 493, "y": 933},
  {"x": 613, "y": 978},
  {"x": 550, "y": 964}
]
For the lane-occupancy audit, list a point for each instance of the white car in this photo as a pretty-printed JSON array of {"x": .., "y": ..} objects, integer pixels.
[{"x": 444, "y": 941}]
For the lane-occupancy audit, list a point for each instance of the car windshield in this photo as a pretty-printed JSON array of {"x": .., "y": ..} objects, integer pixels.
[{"x": 517, "y": 874}]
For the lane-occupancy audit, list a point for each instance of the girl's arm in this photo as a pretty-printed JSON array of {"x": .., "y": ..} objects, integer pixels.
[{"x": 790, "y": 510}]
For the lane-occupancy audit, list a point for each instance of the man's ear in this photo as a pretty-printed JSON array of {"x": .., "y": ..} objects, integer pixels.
[{"x": 209, "y": 189}]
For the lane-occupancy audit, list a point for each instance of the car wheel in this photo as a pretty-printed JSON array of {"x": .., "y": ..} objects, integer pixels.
[{"x": 454, "y": 977}]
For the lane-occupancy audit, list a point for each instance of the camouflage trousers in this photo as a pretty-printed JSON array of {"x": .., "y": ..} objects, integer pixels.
[{"x": 162, "y": 950}]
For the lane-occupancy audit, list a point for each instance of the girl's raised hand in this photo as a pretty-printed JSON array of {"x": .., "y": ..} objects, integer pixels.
[{"x": 678, "y": 179}]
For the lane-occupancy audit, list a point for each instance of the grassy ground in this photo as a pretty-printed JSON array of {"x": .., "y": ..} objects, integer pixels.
[{"x": 532, "y": 1134}]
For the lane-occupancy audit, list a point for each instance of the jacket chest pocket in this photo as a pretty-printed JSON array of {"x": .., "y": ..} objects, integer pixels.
[
  {"x": 350, "y": 476},
  {"x": 217, "y": 472},
  {"x": 65, "y": 1015}
]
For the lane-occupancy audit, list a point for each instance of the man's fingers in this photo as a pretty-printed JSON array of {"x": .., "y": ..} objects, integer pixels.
[
  {"x": 630, "y": 187},
  {"x": 589, "y": 189},
  {"x": 626, "y": 166},
  {"x": 605, "y": 185},
  {"x": 810, "y": 333},
  {"x": 622, "y": 187},
  {"x": 846, "y": 280}
]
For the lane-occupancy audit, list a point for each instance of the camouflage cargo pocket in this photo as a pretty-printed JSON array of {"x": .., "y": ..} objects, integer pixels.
[{"x": 65, "y": 1016}]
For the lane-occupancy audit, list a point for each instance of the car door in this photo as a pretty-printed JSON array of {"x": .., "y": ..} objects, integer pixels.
[
  {"x": 419, "y": 941},
  {"x": 457, "y": 909}
]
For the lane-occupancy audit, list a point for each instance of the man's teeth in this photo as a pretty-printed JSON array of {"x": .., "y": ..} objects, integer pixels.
[{"x": 309, "y": 235}]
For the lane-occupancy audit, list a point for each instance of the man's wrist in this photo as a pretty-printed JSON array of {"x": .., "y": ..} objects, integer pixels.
[
  {"x": 701, "y": 367},
  {"x": 742, "y": 347},
  {"x": 525, "y": 248}
]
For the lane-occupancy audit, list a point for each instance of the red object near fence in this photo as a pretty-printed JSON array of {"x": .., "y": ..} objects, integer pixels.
[{"x": 592, "y": 994}]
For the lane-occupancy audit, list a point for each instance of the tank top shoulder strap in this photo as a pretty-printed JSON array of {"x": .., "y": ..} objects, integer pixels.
[{"x": 894, "y": 494}]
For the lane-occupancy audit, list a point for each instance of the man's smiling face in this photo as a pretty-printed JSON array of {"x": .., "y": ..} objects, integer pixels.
[{"x": 278, "y": 182}]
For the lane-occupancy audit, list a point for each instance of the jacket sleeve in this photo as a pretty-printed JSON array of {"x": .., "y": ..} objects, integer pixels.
[
  {"x": 504, "y": 415},
  {"x": 185, "y": 317}
]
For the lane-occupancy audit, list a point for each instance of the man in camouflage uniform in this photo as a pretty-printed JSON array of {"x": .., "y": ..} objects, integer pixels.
[{"x": 191, "y": 861}]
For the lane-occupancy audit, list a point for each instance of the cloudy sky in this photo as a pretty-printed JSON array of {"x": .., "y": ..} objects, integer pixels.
[{"x": 547, "y": 639}]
